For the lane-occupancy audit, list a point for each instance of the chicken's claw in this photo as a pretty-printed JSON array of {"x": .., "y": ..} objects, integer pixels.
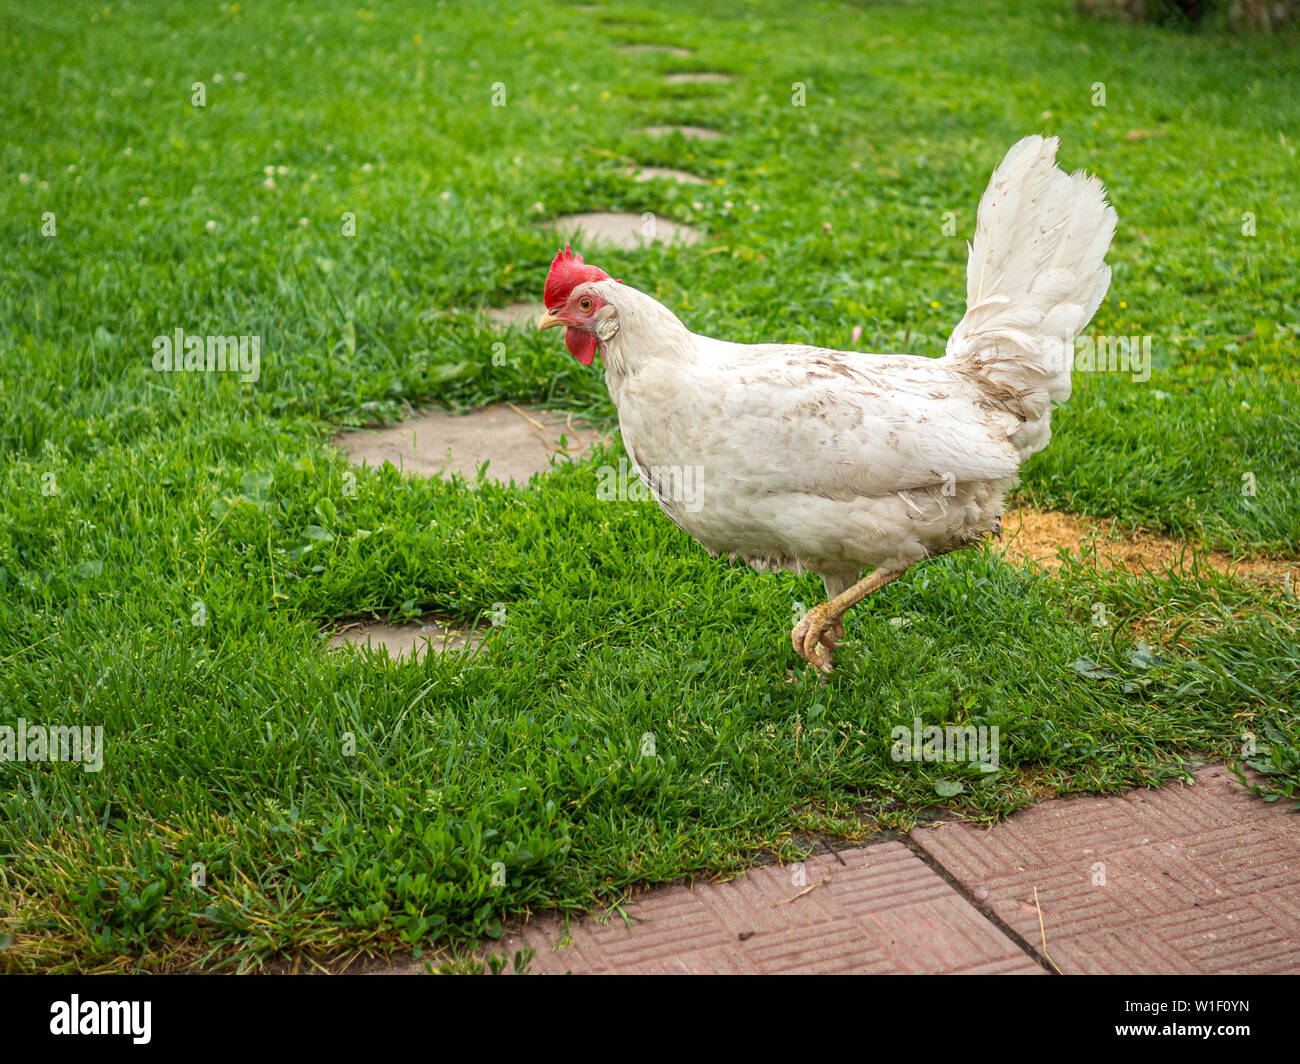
[{"x": 816, "y": 637}]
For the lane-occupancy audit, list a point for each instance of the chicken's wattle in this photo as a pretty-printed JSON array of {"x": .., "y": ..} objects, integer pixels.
[{"x": 581, "y": 345}]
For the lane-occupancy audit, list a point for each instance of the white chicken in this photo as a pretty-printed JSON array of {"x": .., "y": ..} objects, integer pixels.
[{"x": 808, "y": 459}]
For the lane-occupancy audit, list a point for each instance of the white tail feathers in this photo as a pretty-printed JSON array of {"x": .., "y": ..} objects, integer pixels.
[{"x": 1035, "y": 276}]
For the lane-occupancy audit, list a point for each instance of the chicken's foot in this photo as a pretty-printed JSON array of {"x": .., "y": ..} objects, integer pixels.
[{"x": 822, "y": 628}]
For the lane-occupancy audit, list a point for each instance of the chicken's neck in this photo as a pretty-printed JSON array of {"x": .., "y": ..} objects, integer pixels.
[{"x": 648, "y": 332}]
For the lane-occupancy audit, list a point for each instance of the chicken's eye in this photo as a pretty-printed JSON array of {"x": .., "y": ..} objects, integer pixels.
[{"x": 584, "y": 304}]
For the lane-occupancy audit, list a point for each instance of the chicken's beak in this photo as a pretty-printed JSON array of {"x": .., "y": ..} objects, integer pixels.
[{"x": 549, "y": 321}]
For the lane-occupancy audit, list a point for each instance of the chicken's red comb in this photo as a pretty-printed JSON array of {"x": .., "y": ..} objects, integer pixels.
[{"x": 567, "y": 272}]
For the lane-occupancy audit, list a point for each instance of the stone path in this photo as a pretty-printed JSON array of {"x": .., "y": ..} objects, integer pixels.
[
  {"x": 1181, "y": 879},
  {"x": 629, "y": 232}
]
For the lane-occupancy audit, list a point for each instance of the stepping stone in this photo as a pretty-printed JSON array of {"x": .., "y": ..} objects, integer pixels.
[
  {"x": 689, "y": 132},
  {"x": 517, "y": 442},
  {"x": 696, "y": 77},
  {"x": 625, "y": 231},
  {"x": 519, "y": 315},
  {"x": 662, "y": 173},
  {"x": 655, "y": 49},
  {"x": 403, "y": 642}
]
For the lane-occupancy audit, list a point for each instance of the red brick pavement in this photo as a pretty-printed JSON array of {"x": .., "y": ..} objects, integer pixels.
[
  {"x": 1172, "y": 880},
  {"x": 1201, "y": 879},
  {"x": 881, "y": 911}
]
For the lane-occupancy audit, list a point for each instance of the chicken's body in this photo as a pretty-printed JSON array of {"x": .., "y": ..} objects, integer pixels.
[{"x": 808, "y": 459}]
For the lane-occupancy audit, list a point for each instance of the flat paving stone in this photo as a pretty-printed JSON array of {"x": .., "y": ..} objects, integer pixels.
[
  {"x": 1175, "y": 880},
  {"x": 517, "y": 442},
  {"x": 689, "y": 132},
  {"x": 880, "y": 911},
  {"x": 694, "y": 77},
  {"x": 627, "y": 231},
  {"x": 516, "y": 315},
  {"x": 655, "y": 49},
  {"x": 662, "y": 173},
  {"x": 406, "y": 641}
]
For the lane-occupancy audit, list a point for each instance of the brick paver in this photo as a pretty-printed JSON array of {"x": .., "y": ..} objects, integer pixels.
[
  {"x": 1181, "y": 879},
  {"x": 880, "y": 911},
  {"x": 1199, "y": 879}
]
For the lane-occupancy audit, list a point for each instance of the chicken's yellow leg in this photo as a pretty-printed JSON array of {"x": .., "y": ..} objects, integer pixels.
[{"x": 815, "y": 636}]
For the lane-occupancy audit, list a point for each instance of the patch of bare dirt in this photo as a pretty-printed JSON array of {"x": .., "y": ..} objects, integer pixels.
[{"x": 1038, "y": 535}]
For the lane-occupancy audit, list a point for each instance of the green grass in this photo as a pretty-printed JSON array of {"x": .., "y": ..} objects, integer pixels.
[{"x": 339, "y": 803}]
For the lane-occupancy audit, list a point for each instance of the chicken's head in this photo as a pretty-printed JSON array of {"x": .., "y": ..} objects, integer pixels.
[{"x": 571, "y": 301}]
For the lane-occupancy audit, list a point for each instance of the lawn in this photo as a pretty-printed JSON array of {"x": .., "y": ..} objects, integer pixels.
[{"x": 174, "y": 546}]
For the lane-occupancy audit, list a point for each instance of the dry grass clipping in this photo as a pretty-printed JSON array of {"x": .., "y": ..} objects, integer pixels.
[{"x": 1037, "y": 536}]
